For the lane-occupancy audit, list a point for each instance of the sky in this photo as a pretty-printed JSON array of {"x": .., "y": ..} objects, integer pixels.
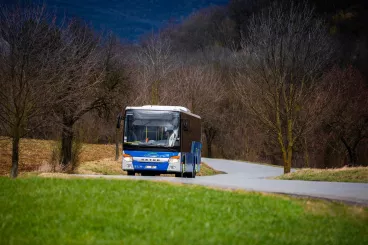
[{"x": 127, "y": 19}]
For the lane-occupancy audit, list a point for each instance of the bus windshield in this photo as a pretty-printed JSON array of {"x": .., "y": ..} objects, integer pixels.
[{"x": 151, "y": 128}]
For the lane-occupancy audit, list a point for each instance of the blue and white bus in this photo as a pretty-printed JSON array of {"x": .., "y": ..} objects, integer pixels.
[{"x": 161, "y": 140}]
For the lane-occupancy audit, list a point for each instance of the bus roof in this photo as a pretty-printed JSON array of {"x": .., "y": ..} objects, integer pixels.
[{"x": 162, "y": 108}]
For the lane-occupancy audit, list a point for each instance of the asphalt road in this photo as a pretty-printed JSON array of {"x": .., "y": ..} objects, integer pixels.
[{"x": 255, "y": 177}]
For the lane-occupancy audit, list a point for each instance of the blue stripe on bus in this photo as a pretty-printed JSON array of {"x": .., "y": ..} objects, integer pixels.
[
  {"x": 151, "y": 154},
  {"x": 149, "y": 166}
]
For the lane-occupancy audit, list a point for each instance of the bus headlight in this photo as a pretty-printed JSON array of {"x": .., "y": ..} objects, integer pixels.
[
  {"x": 127, "y": 158},
  {"x": 174, "y": 159}
]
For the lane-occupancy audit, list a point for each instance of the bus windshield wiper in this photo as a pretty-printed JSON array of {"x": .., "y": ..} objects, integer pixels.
[
  {"x": 159, "y": 146},
  {"x": 150, "y": 146}
]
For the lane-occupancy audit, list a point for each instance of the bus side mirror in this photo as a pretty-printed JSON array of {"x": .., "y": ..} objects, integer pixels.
[{"x": 185, "y": 125}]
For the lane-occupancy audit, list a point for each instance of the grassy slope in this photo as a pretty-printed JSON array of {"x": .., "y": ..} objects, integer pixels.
[
  {"x": 34, "y": 153},
  {"x": 357, "y": 174},
  {"x": 86, "y": 211},
  {"x": 95, "y": 159}
]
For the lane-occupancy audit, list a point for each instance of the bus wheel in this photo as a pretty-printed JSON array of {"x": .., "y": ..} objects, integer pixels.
[
  {"x": 131, "y": 173},
  {"x": 192, "y": 174},
  {"x": 177, "y": 175}
]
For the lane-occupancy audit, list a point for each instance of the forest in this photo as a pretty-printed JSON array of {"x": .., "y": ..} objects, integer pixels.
[{"x": 279, "y": 82}]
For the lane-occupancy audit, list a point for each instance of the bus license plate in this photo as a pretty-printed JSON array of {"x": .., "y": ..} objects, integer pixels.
[{"x": 151, "y": 167}]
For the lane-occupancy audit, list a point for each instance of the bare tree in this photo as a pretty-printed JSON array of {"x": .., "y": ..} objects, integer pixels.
[
  {"x": 28, "y": 42},
  {"x": 116, "y": 81},
  {"x": 240, "y": 11},
  {"x": 86, "y": 82},
  {"x": 202, "y": 91},
  {"x": 283, "y": 57},
  {"x": 347, "y": 120},
  {"x": 154, "y": 61}
]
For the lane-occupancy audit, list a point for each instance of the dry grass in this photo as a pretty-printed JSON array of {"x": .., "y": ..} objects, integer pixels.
[
  {"x": 32, "y": 153},
  {"x": 207, "y": 170},
  {"x": 109, "y": 166},
  {"x": 35, "y": 156},
  {"x": 106, "y": 166},
  {"x": 353, "y": 174}
]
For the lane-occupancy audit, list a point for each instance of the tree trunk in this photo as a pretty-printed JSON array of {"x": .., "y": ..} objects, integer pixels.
[
  {"x": 15, "y": 157},
  {"x": 352, "y": 156},
  {"x": 287, "y": 167},
  {"x": 155, "y": 95},
  {"x": 66, "y": 143},
  {"x": 117, "y": 151},
  {"x": 287, "y": 155},
  {"x": 351, "y": 152},
  {"x": 210, "y": 135},
  {"x": 287, "y": 164},
  {"x": 209, "y": 149},
  {"x": 286, "y": 150},
  {"x": 306, "y": 153}
]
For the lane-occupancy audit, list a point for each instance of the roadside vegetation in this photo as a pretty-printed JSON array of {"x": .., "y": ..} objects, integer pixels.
[
  {"x": 354, "y": 174},
  {"x": 109, "y": 166},
  {"x": 100, "y": 211},
  {"x": 282, "y": 82},
  {"x": 37, "y": 157}
]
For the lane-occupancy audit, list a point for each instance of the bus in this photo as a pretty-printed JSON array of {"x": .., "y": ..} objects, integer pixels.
[{"x": 161, "y": 140}]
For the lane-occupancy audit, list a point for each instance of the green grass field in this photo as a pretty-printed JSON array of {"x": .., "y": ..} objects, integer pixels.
[
  {"x": 98, "y": 211},
  {"x": 354, "y": 174}
]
